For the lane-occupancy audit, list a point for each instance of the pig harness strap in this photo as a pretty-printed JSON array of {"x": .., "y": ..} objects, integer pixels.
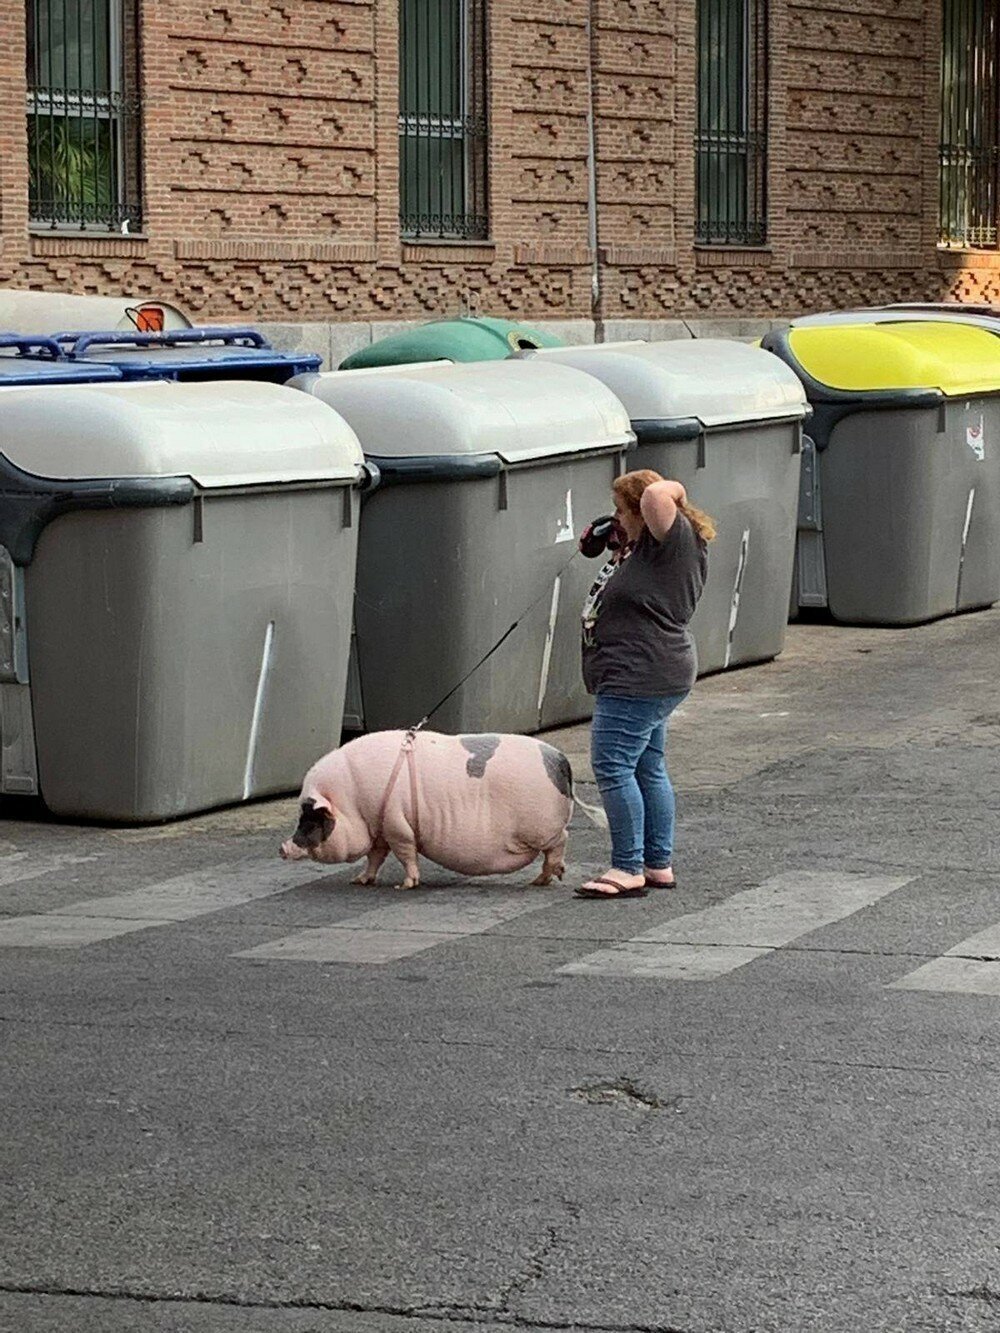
[{"x": 407, "y": 752}]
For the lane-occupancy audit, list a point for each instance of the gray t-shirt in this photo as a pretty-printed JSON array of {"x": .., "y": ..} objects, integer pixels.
[{"x": 636, "y": 642}]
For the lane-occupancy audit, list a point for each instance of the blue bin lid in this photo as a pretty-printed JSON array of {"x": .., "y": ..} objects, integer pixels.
[
  {"x": 25, "y": 359},
  {"x": 28, "y": 370},
  {"x": 173, "y": 362},
  {"x": 184, "y": 353}
]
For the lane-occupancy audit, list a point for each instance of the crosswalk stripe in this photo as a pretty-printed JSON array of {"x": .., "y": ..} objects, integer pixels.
[
  {"x": 719, "y": 939},
  {"x": 17, "y": 867},
  {"x": 162, "y": 904},
  {"x": 972, "y": 967},
  {"x": 399, "y": 930}
]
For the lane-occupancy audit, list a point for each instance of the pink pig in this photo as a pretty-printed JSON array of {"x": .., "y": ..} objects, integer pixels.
[{"x": 478, "y": 805}]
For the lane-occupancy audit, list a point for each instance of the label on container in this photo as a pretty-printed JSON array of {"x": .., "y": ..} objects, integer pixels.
[
  {"x": 564, "y": 529},
  {"x": 975, "y": 438}
]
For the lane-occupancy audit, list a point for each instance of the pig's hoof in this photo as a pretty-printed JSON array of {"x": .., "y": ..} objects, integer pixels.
[
  {"x": 363, "y": 879},
  {"x": 409, "y": 883},
  {"x": 548, "y": 875}
]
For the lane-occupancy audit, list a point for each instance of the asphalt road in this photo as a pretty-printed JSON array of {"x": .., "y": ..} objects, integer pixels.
[{"x": 239, "y": 1096}]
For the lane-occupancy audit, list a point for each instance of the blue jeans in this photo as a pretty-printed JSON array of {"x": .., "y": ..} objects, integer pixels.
[{"x": 627, "y": 741}]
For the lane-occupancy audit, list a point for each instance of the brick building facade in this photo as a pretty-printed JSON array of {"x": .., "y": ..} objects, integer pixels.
[{"x": 271, "y": 179}]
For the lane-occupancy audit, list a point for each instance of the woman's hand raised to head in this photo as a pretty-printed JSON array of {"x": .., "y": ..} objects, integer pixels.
[{"x": 658, "y": 506}]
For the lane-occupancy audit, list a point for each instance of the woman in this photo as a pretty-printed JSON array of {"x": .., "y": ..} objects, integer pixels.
[{"x": 639, "y": 660}]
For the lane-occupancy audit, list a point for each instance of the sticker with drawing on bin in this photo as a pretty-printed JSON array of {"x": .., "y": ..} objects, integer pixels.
[{"x": 975, "y": 438}]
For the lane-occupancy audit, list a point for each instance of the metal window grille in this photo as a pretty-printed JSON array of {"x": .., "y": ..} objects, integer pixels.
[
  {"x": 442, "y": 119},
  {"x": 731, "y": 138},
  {"x": 970, "y": 141},
  {"x": 83, "y": 114}
]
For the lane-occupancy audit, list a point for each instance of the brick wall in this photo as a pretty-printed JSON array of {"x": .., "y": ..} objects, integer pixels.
[{"x": 271, "y": 168}]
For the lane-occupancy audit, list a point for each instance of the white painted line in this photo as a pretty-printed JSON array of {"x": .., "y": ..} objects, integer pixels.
[
  {"x": 710, "y": 943},
  {"x": 550, "y": 635},
  {"x": 258, "y": 708},
  {"x": 19, "y": 866},
  {"x": 734, "y": 606},
  {"x": 400, "y": 929},
  {"x": 170, "y": 901},
  {"x": 972, "y": 967},
  {"x": 51, "y": 931}
]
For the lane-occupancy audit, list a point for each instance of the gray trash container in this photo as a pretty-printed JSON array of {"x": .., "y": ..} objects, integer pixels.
[
  {"x": 489, "y": 471},
  {"x": 52, "y": 312},
  {"x": 900, "y": 508},
  {"x": 176, "y": 577},
  {"x": 726, "y": 420}
]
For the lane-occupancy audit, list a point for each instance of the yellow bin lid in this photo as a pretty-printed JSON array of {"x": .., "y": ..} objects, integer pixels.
[{"x": 956, "y": 358}]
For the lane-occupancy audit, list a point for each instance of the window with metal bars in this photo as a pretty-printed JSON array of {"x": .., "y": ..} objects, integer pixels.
[
  {"x": 731, "y": 137},
  {"x": 84, "y": 114},
  {"x": 442, "y": 119},
  {"x": 970, "y": 123}
]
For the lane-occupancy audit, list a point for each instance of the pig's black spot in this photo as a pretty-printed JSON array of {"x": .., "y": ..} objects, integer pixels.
[
  {"x": 482, "y": 749},
  {"x": 315, "y": 826},
  {"x": 558, "y": 768}
]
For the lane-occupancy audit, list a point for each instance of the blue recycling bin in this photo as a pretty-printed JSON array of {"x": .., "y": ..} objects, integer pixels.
[
  {"x": 37, "y": 360},
  {"x": 196, "y": 354}
]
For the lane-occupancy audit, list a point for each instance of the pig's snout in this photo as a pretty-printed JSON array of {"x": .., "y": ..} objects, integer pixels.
[{"x": 291, "y": 851}]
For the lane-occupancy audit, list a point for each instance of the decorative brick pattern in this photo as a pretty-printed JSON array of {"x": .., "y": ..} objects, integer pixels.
[{"x": 271, "y": 165}]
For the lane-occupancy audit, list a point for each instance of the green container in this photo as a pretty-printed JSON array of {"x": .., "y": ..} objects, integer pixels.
[{"x": 462, "y": 339}]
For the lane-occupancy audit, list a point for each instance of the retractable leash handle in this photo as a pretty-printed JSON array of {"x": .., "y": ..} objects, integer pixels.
[{"x": 600, "y": 535}]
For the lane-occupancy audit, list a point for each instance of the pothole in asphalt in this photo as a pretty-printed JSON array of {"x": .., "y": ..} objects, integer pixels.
[{"x": 622, "y": 1092}]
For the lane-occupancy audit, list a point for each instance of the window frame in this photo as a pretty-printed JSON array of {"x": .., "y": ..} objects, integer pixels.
[
  {"x": 115, "y": 106},
  {"x": 728, "y": 214},
  {"x": 969, "y": 126},
  {"x": 424, "y": 126}
]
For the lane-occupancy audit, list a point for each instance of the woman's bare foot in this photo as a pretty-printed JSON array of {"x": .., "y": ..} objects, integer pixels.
[
  {"x": 659, "y": 879},
  {"x": 605, "y": 884}
]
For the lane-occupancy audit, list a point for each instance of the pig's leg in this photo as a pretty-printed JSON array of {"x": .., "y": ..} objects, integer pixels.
[
  {"x": 406, "y": 855},
  {"x": 554, "y": 865},
  {"x": 372, "y": 866}
]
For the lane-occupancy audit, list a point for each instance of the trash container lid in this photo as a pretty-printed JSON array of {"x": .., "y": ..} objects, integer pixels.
[
  {"x": 218, "y": 433},
  {"x": 952, "y": 312},
  {"x": 178, "y": 360},
  {"x": 510, "y": 409},
  {"x": 715, "y": 381},
  {"x": 955, "y": 358},
  {"x": 18, "y": 370},
  {"x": 48, "y": 312},
  {"x": 464, "y": 339}
]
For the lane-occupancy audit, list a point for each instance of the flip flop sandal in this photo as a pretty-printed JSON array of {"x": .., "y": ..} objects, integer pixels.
[
  {"x": 661, "y": 884},
  {"x": 583, "y": 892}
]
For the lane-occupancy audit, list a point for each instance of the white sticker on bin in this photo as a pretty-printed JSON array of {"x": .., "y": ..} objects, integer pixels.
[
  {"x": 975, "y": 438},
  {"x": 565, "y": 531}
]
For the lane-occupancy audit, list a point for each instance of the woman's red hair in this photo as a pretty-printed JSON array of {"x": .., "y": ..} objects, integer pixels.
[{"x": 628, "y": 491}]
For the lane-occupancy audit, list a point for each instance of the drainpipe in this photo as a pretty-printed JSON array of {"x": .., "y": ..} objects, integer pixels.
[{"x": 593, "y": 236}]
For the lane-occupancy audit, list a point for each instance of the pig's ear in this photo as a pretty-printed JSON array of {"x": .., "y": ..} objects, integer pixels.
[
  {"x": 313, "y": 801},
  {"x": 316, "y": 822}
]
